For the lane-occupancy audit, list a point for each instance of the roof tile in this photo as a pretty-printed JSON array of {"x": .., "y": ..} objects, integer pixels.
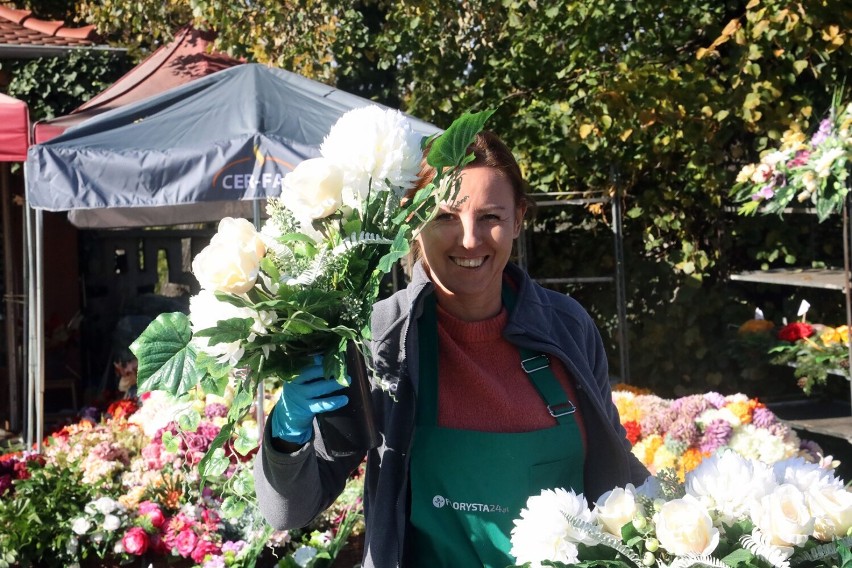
[{"x": 19, "y": 27}]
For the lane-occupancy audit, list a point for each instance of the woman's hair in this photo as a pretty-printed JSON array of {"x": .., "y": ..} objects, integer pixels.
[{"x": 488, "y": 151}]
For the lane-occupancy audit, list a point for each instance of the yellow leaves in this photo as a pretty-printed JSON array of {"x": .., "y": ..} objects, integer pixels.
[
  {"x": 833, "y": 36},
  {"x": 800, "y": 66},
  {"x": 759, "y": 28},
  {"x": 729, "y": 30},
  {"x": 626, "y": 134},
  {"x": 585, "y": 130},
  {"x": 752, "y": 4}
]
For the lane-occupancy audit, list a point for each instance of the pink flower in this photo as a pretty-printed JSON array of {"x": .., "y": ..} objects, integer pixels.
[
  {"x": 211, "y": 519},
  {"x": 202, "y": 549},
  {"x": 135, "y": 541},
  {"x": 185, "y": 542},
  {"x": 153, "y": 512}
]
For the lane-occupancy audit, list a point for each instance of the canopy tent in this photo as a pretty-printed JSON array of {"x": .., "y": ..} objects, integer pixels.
[
  {"x": 182, "y": 156},
  {"x": 14, "y": 142},
  {"x": 188, "y": 56}
]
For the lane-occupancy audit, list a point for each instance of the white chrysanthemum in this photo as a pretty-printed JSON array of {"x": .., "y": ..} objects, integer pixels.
[
  {"x": 804, "y": 474},
  {"x": 111, "y": 523},
  {"x": 543, "y": 532},
  {"x": 372, "y": 144},
  {"x": 761, "y": 444},
  {"x": 714, "y": 414},
  {"x": 776, "y": 157},
  {"x": 727, "y": 484}
]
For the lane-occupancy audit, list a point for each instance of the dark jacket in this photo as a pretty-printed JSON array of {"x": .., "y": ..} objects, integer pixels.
[{"x": 292, "y": 489}]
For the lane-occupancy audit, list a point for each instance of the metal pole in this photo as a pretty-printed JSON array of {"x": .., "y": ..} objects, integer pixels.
[
  {"x": 38, "y": 324},
  {"x": 620, "y": 286},
  {"x": 9, "y": 301},
  {"x": 259, "y": 416},
  {"x": 846, "y": 288},
  {"x": 28, "y": 326}
]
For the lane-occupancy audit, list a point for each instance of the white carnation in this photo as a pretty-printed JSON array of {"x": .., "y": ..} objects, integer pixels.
[
  {"x": 727, "y": 483},
  {"x": 543, "y": 532},
  {"x": 371, "y": 145}
]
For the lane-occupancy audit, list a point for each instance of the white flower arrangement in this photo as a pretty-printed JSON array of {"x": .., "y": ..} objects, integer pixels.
[
  {"x": 306, "y": 282},
  {"x": 732, "y": 511},
  {"x": 810, "y": 170}
]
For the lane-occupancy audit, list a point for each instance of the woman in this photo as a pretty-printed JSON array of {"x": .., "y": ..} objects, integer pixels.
[{"x": 495, "y": 388}]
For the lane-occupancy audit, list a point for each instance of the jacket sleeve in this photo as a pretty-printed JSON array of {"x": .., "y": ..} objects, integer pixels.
[
  {"x": 293, "y": 489},
  {"x": 638, "y": 472}
]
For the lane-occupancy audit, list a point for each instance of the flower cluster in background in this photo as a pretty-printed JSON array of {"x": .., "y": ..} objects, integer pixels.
[
  {"x": 815, "y": 350},
  {"x": 127, "y": 488},
  {"x": 730, "y": 507},
  {"x": 679, "y": 434},
  {"x": 807, "y": 169}
]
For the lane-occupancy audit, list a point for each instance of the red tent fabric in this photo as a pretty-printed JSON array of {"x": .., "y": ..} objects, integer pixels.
[
  {"x": 186, "y": 58},
  {"x": 14, "y": 129}
]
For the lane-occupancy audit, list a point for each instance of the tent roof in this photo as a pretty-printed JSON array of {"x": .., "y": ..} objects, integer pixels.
[
  {"x": 229, "y": 136},
  {"x": 14, "y": 129},
  {"x": 185, "y": 58}
]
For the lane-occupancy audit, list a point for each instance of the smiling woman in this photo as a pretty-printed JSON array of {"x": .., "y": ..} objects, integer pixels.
[{"x": 496, "y": 388}]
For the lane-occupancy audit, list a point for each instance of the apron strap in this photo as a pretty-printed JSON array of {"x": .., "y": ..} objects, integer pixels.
[{"x": 537, "y": 367}]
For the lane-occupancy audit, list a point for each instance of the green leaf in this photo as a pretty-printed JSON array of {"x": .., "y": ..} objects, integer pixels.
[
  {"x": 166, "y": 358},
  {"x": 214, "y": 463},
  {"x": 170, "y": 442},
  {"x": 227, "y": 331},
  {"x": 450, "y": 148},
  {"x": 245, "y": 441},
  {"x": 189, "y": 420},
  {"x": 399, "y": 249},
  {"x": 233, "y": 507}
]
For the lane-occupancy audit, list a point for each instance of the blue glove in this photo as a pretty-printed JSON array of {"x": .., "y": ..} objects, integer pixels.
[{"x": 302, "y": 399}]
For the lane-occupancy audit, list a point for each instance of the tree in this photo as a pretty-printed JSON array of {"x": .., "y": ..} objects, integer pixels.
[{"x": 663, "y": 100}]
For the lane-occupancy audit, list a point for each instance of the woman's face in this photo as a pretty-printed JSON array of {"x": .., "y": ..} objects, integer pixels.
[{"x": 468, "y": 244}]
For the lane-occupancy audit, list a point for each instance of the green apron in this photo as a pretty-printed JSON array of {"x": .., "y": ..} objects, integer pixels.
[{"x": 468, "y": 486}]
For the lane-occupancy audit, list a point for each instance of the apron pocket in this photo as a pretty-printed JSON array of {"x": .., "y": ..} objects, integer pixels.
[{"x": 551, "y": 475}]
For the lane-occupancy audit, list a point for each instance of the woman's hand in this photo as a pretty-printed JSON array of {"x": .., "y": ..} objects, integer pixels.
[{"x": 303, "y": 398}]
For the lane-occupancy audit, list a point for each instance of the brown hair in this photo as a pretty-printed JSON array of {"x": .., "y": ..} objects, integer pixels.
[{"x": 488, "y": 151}]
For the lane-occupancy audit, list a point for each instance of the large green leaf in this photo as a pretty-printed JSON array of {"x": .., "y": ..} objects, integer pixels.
[
  {"x": 166, "y": 358},
  {"x": 450, "y": 148}
]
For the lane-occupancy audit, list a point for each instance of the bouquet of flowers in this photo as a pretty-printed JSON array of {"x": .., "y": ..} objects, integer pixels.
[
  {"x": 306, "y": 283},
  {"x": 731, "y": 511},
  {"x": 807, "y": 169},
  {"x": 816, "y": 350}
]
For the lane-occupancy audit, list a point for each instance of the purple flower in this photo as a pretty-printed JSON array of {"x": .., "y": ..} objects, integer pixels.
[
  {"x": 233, "y": 546},
  {"x": 715, "y": 399},
  {"x": 765, "y": 192},
  {"x": 215, "y": 410},
  {"x": 689, "y": 407},
  {"x": 5, "y": 483},
  {"x": 716, "y": 435},
  {"x": 763, "y": 417},
  {"x": 656, "y": 417},
  {"x": 683, "y": 430},
  {"x": 822, "y": 133},
  {"x": 812, "y": 449}
]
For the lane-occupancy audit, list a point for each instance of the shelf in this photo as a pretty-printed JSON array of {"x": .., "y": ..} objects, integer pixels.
[{"x": 825, "y": 278}]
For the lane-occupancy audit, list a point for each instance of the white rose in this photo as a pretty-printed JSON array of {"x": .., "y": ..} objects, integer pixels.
[
  {"x": 745, "y": 174},
  {"x": 226, "y": 267},
  {"x": 831, "y": 507},
  {"x": 314, "y": 189},
  {"x": 616, "y": 508},
  {"x": 684, "y": 527},
  {"x": 111, "y": 523},
  {"x": 728, "y": 483},
  {"x": 240, "y": 230},
  {"x": 81, "y": 525},
  {"x": 543, "y": 532},
  {"x": 783, "y": 517},
  {"x": 105, "y": 505}
]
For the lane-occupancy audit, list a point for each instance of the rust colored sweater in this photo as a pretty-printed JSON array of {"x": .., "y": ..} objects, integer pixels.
[{"x": 482, "y": 386}]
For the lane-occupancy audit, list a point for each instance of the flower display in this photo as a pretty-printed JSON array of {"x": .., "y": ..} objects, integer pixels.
[
  {"x": 127, "y": 489},
  {"x": 807, "y": 169},
  {"x": 718, "y": 516},
  {"x": 816, "y": 350},
  {"x": 680, "y": 434},
  {"x": 305, "y": 283}
]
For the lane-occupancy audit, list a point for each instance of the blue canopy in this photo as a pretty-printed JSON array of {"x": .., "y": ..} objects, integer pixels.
[{"x": 201, "y": 149}]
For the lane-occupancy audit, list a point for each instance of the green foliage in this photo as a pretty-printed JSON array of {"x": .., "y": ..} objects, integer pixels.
[
  {"x": 54, "y": 86},
  {"x": 664, "y": 101},
  {"x": 35, "y": 522}
]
